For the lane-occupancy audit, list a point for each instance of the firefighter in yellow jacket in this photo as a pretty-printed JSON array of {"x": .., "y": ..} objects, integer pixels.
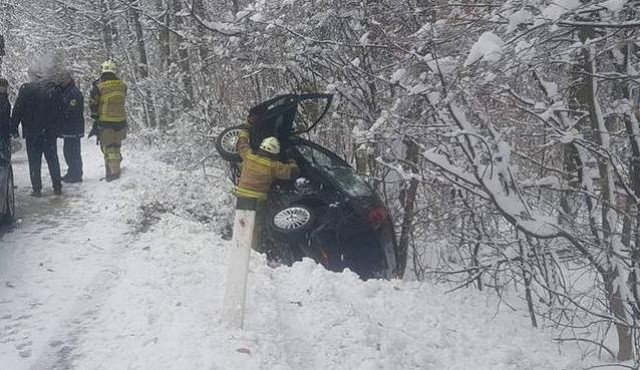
[
  {"x": 107, "y": 104},
  {"x": 259, "y": 171}
]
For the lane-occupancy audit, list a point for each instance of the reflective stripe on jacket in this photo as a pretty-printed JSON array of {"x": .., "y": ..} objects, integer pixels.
[
  {"x": 112, "y": 97},
  {"x": 258, "y": 173}
]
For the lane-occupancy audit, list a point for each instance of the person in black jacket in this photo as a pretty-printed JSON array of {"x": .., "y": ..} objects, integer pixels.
[
  {"x": 71, "y": 128},
  {"x": 6, "y": 128},
  {"x": 38, "y": 108}
]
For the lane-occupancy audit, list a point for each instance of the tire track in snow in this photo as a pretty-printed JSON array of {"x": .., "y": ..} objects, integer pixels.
[
  {"x": 286, "y": 347},
  {"x": 60, "y": 351},
  {"x": 56, "y": 266}
]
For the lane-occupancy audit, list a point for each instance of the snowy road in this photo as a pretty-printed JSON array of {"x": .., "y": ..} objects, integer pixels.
[
  {"x": 123, "y": 276},
  {"x": 56, "y": 265}
]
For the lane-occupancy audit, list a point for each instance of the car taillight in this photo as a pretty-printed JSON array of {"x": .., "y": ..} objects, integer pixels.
[
  {"x": 325, "y": 257},
  {"x": 377, "y": 216}
]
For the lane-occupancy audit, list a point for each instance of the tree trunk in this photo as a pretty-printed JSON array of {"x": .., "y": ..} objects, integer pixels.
[
  {"x": 183, "y": 59},
  {"x": 613, "y": 277},
  {"x": 235, "y": 6},
  {"x": 164, "y": 38},
  {"x": 526, "y": 275},
  {"x": 143, "y": 65},
  {"x": 618, "y": 309},
  {"x": 2, "y": 52},
  {"x": 408, "y": 205},
  {"x": 200, "y": 11},
  {"x": 107, "y": 36}
]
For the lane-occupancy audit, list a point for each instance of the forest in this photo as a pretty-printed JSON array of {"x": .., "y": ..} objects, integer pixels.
[{"x": 503, "y": 134}]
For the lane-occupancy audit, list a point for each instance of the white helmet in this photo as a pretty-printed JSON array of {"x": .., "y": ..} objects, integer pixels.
[
  {"x": 270, "y": 145},
  {"x": 108, "y": 67}
]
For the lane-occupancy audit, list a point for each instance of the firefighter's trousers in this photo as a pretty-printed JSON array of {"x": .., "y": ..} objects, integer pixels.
[{"x": 110, "y": 143}]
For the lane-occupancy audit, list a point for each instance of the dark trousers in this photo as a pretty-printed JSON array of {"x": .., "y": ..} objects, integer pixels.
[
  {"x": 36, "y": 147},
  {"x": 71, "y": 151}
]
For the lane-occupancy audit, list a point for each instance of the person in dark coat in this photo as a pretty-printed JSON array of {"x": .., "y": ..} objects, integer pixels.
[
  {"x": 71, "y": 128},
  {"x": 38, "y": 108},
  {"x": 6, "y": 128}
]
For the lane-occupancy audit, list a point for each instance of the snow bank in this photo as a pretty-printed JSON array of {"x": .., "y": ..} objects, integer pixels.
[
  {"x": 165, "y": 314},
  {"x": 103, "y": 293}
]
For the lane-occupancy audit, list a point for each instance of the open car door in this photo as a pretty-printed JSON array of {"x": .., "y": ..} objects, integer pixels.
[{"x": 287, "y": 115}]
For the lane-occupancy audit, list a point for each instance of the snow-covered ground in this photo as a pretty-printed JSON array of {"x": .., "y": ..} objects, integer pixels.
[{"x": 122, "y": 275}]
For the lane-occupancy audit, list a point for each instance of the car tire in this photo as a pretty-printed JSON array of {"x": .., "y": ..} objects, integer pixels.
[
  {"x": 292, "y": 220},
  {"x": 226, "y": 144}
]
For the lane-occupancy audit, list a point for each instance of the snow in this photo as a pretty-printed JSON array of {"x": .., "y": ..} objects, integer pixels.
[
  {"x": 364, "y": 39},
  {"x": 558, "y": 8},
  {"x": 618, "y": 55},
  {"x": 524, "y": 49},
  {"x": 518, "y": 18},
  {"x": 398, "y": 75},
  {"x": 488, "y": 47},
  {"x": 550, "y": 87},
  {"x": 442, "y": 162},
  {"x": 614, "y": 6},
  {"x": 258, "y": 17},
  {"x": 96, "y": 279}
]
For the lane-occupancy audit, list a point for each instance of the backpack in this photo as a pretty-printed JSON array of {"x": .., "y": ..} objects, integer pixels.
[{"x": 275, "y": 117}]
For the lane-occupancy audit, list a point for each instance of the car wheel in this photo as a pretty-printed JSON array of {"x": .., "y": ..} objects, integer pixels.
[
  {"x": 226, "y": 144},
  {"x": 293, "y": 219}
]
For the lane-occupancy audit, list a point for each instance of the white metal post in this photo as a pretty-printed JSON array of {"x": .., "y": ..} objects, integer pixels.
[{"x": 238, "y": 268}]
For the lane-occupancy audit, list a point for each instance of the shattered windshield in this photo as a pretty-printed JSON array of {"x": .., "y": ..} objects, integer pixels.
[{"x": 354, "y": 184}]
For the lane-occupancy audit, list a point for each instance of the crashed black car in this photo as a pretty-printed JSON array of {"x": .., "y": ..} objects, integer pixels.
[
  {"x": 329, "y": 214},
  {"x": 7, "y": 197}
]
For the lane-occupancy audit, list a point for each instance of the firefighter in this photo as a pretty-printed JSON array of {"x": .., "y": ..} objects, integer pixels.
[
  {"x": 259, "y": 171},
  {"x": 107, "y": 104}
]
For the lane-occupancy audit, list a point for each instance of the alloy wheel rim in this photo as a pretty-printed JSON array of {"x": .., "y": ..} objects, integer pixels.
[
  {"x": 292, "y": 218},
  {"x": 229, "y": 141}
]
